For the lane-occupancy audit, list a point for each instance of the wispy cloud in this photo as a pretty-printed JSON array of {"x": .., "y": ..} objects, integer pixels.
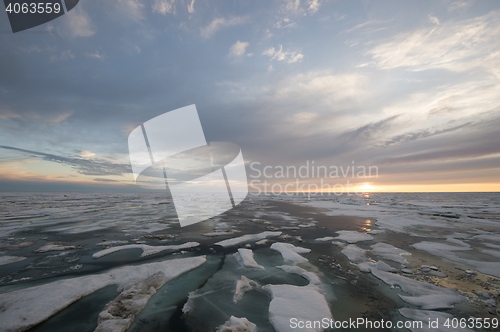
[
  {"x": 191, "y": 7},
  {"x": 219, "y": 23},
  {"x": 367, "y": 25},
  {"x": 238, "y": 49},
  {"x": 452, "y": 45},
  {"x": 64, "y": 55},
  {"x": 132, "y": 9},
  {"x": 296, "y": 7},
  {"x": 96, "y": 55},
  {"x": 434, "y": 20},
  {"x": 279, "y": 55},
  {"x": 86, "y": 154},
  {"x": 76, "y": 23},
  {"x": 164, "y": 6},
  {"x": 85, "y": 166},
  {"x": 313, "y": 6},
  {"x": 456, "y": 5}
]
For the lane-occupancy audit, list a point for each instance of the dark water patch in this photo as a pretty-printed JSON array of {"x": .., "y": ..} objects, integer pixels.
[
  {"x": 164, "y": 310},
  {"x": 80, "y": 316}
]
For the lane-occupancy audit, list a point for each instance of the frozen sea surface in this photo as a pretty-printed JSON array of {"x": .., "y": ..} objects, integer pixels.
[{"x": 378, "y": 256}]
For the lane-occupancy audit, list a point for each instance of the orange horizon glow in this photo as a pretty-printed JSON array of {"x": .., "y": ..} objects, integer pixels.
[{"x": 427, "y": 188}]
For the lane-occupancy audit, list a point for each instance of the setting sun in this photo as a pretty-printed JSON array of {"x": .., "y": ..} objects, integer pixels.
[{"x": 366, "y": 187}]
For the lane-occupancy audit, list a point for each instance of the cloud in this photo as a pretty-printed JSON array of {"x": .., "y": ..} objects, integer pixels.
[
  {"x": 296, "y": 8},
  {"x": 453, "y": 45},
  {"x": 95, "y": 55},
  {"x": 434, "y": 20},
  {"x": 220, "y": 23},
  {"x": 131, "y": 8},
  {"x": 458, "y": 5},
  {"x": 290, "y": 57},
  {"x": 77, "y": 23},
  {"x": 238, "y": 49},
  {"x": 462, "y": 102},
  {"x": 94, "y": 167},
  {"x": 86, "y": 154},
  {"x": 367, "y": 24},
  {"x": 313, "y": 6},
  {"x": 416, "y": 135},
  {"x": 292, "y": 5},
  {"x": 6, "y": 114},
  {"x": 65, "y": 55},
  {"x": 191, "y": 7},
  {"x": 164, "y": 6},
  {"x": 317, "y": 85},
  {"x": 58, "y": 118}
]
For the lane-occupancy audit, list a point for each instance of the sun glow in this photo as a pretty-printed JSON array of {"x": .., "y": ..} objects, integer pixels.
[{"x": 366, "y": 187}]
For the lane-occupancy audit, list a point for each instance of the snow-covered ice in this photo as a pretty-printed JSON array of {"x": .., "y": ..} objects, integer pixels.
[
  {"x": 355, "y": 254},
  {"x": 290, "y": 252},
  {"x": 425, "y": 316},
  {"x": 425, "y": 295},
  {"x": 303, "y": 303},
  {"x": 4, "y": 260},
  {"x": 247, "y": 238},
  {"x": 325, "y": 239},
  {"x": 310, "y": 276},
  {"x": 353, "y": 236},
  {"x": 146, "y": 249},
  {"x": 390, "y": 252},
  {"x": 221, "y": 233},
  {"x": 235, "y": 324},
  {"x": 448, "y": 252},
  {"x": 245, "y": 256},
  {"x": 110, "y": 243},
  {"x": 55, "y": 246},
  {"x": 242, "y": 286},
  {"x": 27, "y": 307},
  {"x": 117, "y": 315}
]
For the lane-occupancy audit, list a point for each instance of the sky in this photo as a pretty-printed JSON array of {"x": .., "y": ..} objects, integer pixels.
[{"x": 409, "y": 87}]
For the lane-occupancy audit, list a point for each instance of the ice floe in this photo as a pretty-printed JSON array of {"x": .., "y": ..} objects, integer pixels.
[
  {"x": 310, "y": 276},
  {"x": 27, "y": 307},
  {"x": 235, "y": 324},
  {"x": 4, "y": 260},
  {"x": 221, "y": 233},
  {"x": 245, "y": 256},
  {"x": 290, "y": 252},
  {"x": 325, "y": 239},
  {"x": 119, "y": 314},
  {"x": 494, "y": 253},
  {"x": 353, "y": 236},
  {"x": 242, "y": 286},
  {"x": 390, "y": 252},
  {"x": 16, "y": 244},
  {"x": 488, "y": 237},
  {"x": 383, "y": 266},
  {"x": 110, "y": 243},
  {"x": 402, "y": 213},
  {"x": 55, "y": 246},
  {"x": 355, "y": 254},
  {"x": 303, "y": 303},
  {"x": 427, "y": 296},
  {"x": 426, "y": 316},
  {"x": 448, "y": 252},
  {"x": 146, "y": 249},
  {"x": 247, "y": 238}
]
